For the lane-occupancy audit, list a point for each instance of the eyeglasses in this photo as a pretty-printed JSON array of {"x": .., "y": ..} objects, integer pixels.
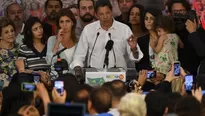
[{"x": 179, "y": 11}]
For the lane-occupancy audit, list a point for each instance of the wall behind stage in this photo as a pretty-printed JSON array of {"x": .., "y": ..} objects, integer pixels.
[
  {"x": 36, "y": 7},
  {"x": 31, "y": 7}
]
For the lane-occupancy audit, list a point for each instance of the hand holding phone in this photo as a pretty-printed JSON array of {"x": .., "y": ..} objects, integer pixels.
[
  {"x": 151, "y": 74},
  {"x": 188, "y": 82},
  {"x": 177, "y": 69},
  {"x": 28, "y": 87},
  {"x": 59, "y": 85}
]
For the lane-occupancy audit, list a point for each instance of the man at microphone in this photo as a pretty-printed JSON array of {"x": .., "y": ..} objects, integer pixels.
[{"x": 97, "y": 36}]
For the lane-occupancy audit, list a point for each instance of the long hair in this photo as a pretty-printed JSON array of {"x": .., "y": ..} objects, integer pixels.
[
  {"x": 28, "y": 35},
  {"x": 67, "y": 12},
  {"x": 141, "y": 9},
  {"x": 153, "y": 11}
]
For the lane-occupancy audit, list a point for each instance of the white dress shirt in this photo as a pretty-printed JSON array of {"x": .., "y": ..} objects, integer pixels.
[
  {"x": 67, "y": 54},
  {"x": 119, "y": 34}
]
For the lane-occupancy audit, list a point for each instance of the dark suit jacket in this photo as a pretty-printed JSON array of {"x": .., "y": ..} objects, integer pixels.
[{"x": 144, "y": 63}]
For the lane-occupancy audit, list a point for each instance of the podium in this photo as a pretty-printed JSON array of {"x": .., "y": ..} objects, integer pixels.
[{"x": 95, "y": 76}]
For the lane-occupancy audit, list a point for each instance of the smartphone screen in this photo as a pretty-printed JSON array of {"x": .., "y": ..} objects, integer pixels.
[
  {"x": 188, "y": 82},
  {"x": 28, "y": 87},
  {"x": 59, "y": 85},
  {"x": 177, "y": 69},
  {"x": 203, "y": 92},
  {"x": 36, "y": 78},
  {"x": 151, "y": 74}
]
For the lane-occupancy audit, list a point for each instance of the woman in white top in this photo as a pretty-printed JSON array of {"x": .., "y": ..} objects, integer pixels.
[{"x": 64, "y": 39}]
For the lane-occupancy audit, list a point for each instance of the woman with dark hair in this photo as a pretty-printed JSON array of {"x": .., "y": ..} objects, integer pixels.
[
  {"x": 144, "y": 42},
  {"x": 32, "y": 53},
  {"x": 8, "y": 50},
  {"x": 135, "y": 14},
  {"x": 64, "y": 39}
]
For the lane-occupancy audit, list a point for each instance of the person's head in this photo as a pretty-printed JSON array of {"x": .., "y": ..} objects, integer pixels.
[
  {"x": 164, "y": 25},
  {"x": 107, "y": 84},
  {"x": 103, "y": 9},
  {"x": 66, "y": 21},
  {"x": 177, "y": 85},
  {"x": 118, "y": 89},
  {"x": 86, "y": 10},
  {"x": 157, "y": 104},
  {"x": 7, "y": 30},
  {"x": 52, "y": 7},
  {"x": 173, "y": 98},
  {"x": 75, "y": 10},
  {"x": 149, "y": 17},
  {"x": 132, "y": 104},
  {"x": 82, "y": 94},
  {"x": 15, "y": 13},
  {"x": 34, "y": 6},
  {"x": 14, "y": 99},
  {"x": 135, "y": 12},
  {"x": 188, "y": 106},
  {"x": 179, "y": 6},
  {"x": 125, "y": 5},
  {"x": 28, "y": 110},
  {"x": 100, "y": 101},
  {"x": 33, "y": 30}
]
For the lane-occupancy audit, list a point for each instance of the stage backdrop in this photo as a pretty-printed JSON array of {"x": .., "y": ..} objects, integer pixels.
[{"x": 36, "y": 7}]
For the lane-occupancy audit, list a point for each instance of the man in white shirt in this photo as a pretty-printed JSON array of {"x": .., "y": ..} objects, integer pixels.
[{"x": 96, "y": 35}]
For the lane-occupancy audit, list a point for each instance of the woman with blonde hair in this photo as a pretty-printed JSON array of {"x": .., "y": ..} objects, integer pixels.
[{"x": 132, "y": 104}]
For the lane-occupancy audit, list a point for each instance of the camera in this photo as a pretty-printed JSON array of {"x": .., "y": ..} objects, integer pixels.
[
  {"x": 181, "y": 18},
  {"x": 60, "y": 66}
]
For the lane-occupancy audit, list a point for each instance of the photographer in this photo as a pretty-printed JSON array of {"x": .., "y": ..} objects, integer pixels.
[{"x": 190, "y": 34}]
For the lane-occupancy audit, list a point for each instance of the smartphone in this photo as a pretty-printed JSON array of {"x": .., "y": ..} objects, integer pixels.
[
  {"x": 59, "y": 85},
  {"x": 151, "y": 74},
  {"x": 192, "y": 15},
  {"x": 177, "y": 69},
  {"x": 188, "y": 82},
  {"x": 36, "y": 77},
  {"x": 28, "y": 87},
  {"x": 203, "y": 92}
]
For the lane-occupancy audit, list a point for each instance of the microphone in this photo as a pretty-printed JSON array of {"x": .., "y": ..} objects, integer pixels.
[
  {"x": 57, "y": 53},
  {"x": 113, "y": 50},
  {"x": 108, "y": 47},
  {"x": 98, "y": 33}
]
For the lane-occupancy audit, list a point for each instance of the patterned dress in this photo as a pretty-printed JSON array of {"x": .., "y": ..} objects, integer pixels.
[
  {"x": 7, "y": 63},
  {"x": 167, "y": 56}
]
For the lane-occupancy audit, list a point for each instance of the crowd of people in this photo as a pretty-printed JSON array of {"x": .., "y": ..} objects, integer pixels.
[{"x": 87, "y": 35}]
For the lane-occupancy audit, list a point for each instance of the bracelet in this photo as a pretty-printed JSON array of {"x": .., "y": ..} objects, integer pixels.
[{"x": 138, "y": 85}]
